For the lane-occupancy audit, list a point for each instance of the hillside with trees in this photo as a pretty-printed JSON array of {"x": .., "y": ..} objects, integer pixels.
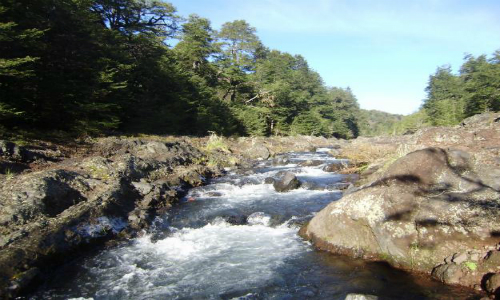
[
  {"x": 450, "y": 99},
  {"x": 98, "y": 66},
  {"x": 375, "y": 122}
]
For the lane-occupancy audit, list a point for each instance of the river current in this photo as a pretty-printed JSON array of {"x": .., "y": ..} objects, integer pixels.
[{"x": 236, "y": 238}]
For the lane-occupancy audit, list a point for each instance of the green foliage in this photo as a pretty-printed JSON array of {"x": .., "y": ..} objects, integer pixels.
[
  {"x": 411, "y": 123},
  {"x": 445, "y": 98},
  {"x": 470, "y": 265},
  {"x": 255, "y": 120},
  {"x": 481, "y": 77},
  {"x": 341, "y": 112},
  {"x": 308, "y": 123},
  {"x": 217, "y": 143},
  {"x": 375, "y": 123},
  {"x": 451, "y": 98},
  {"x": 95, "y": 66}
]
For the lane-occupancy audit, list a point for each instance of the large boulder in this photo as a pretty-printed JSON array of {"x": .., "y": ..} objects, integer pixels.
[
  {"x": 426, "y": 207},
  {"x": 40, "y": 194},
  {"x": 286, "y": 183},
  {"x": 257, "y": 151}
]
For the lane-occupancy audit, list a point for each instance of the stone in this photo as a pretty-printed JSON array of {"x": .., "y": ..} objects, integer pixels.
[
  {"x": 448, "y": 273},
  {"x": 353, "y": 296},
  {"x": 286, "y": 183},
  {"x": 269, "y": 180},
  {"x": 214, "y": 194},
  {"x": 335, "y": 167},
  {"x": 280, "y": 161},
  {"x": 459, "y": 258},
  {"x": 257, "y": 151},
  {"x": 417, "y": 211},
  {"x": 44, "y": 213},
  {"x": 492, "y": 284},
  {"x": 142, "y": 187},
  {"x": 475, "y": 256},
  {"x": 493, "y": 258}
]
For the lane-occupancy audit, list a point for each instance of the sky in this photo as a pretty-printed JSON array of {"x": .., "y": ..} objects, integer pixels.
[{"x": 384, "y": 50}]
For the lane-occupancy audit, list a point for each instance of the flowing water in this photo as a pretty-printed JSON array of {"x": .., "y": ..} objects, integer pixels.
[{"x": 236, "y": 238}]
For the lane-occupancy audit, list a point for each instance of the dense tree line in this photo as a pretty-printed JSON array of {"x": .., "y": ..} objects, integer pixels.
[
  {"x": 375, "y": 123},
  {"x": 95, "y": 66},
  {"x": 450, "y": 98},
  {"x": 475, "y": 89}
]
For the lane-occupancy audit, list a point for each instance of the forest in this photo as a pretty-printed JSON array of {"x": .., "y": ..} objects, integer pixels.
[
  {"x": 91, "y": 67},
  {"x": 97, "y": 67}
]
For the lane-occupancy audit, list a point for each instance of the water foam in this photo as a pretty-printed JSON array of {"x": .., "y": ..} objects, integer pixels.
[{"x": 215, "y": 259}]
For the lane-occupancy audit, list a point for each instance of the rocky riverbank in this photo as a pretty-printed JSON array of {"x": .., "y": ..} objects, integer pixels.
[
  {"x": 427, "y": 202},
  {"x": 57, "y": 202}
]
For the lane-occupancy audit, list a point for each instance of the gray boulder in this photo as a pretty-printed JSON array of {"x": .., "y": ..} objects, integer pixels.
[
  {"x": 257, "y": 151},
  {"x": 425, "y": 207},
  {"x": 286, "y": 183}
]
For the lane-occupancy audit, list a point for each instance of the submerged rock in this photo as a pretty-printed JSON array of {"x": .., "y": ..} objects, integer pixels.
[{"x": 286, "y": 183}]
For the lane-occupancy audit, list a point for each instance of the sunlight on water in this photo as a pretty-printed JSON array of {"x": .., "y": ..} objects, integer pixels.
[{"x": 215, "y": 259}]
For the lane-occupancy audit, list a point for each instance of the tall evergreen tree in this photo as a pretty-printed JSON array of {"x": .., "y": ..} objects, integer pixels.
[
  {"x": 481, "y": 78},
  {"x": 445, "y": 98}
]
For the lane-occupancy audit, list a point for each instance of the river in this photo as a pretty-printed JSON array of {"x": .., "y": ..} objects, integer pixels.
[{"x": 236, "y": 238}]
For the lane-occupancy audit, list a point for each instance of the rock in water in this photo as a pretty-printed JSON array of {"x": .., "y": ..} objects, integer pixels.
[
  {"x": 423, "y": 209},
  {"x": 257, "y": 151},
  {"x": 269, "y": 180},
  {"x": 288, "y": 182},
  {"x": 360, "y": 297}
]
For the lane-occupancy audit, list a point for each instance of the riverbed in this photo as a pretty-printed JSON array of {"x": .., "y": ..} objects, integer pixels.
[{"x": 236, "y": 238}]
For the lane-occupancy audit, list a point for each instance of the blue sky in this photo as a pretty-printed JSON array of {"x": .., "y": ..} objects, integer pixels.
[{"x": 384, "y": 50}]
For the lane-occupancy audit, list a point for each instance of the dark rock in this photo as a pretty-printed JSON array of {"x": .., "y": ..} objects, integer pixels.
[
  {"x": 448, "y": 273},
  {"x": 235, "y": 219},
  {"x": 336, "y": 167},
  {"x": 492, "y": 284},
  {"x": 214, "y": 194},
  {"x": 19, "y": 153},
  {"x": 47, "y": 216},
  {"x": 269, "y": 180},
  {"x": 23, "y": 280},
  {"x": 40, "y": 194},
  {"x": 288, "y": 182}
]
